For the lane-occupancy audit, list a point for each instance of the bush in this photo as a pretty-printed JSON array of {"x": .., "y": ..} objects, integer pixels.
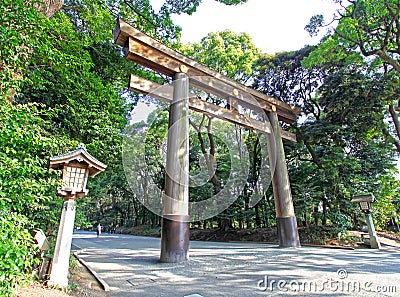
[
  {"x": 17, "y": 251},
  {"x": 340, "y": 221}
]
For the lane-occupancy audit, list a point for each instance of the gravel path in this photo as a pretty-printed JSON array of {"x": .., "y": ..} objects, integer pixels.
[{"x": 130, "y": 266}]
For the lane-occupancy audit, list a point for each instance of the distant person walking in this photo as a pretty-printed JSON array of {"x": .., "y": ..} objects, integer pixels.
[{"x": 98, "y": 230}]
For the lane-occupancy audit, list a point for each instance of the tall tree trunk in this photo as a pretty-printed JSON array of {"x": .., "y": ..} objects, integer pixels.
[
  {"x": 305, "y": 220},
  {"x": 316, "y": 216},
  {"x": 394, "y": 141},
  {"x": 396, "y": 123},
  {"x": 50, "y": 7},
  {"x": 209, "y": 157},
  {"x": 258, "y": 220},
  {"x": 324, "y": 209}
]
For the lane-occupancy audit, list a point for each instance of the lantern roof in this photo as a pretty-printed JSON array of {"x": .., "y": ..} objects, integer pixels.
[
  {"x": 81, "y": 156},
  {"x": 368, "y": 197}
]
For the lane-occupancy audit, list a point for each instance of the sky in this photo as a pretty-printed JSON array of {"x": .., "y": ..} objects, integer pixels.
[{"x": 274, "y": 25}]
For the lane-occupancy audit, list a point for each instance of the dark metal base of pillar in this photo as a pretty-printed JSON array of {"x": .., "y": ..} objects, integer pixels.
[
  {"x": 174, "y": 238},
  {"x": 288, "y": 234}
]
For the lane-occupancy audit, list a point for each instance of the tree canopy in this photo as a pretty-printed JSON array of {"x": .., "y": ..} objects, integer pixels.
[
  {"x": 370, "y": 26},
  {"x": 230, "y": 54},
  {"x": 367, "y": 33}
]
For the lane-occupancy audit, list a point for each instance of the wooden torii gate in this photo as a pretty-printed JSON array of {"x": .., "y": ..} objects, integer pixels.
[{"x": 148, "y": 52}]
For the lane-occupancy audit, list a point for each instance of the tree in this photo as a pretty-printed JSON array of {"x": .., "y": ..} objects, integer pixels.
[
  {"x": 189, "y": 7},
  {"x": 283, "y": 77},
  {"x": 341, "y": 148},
  {"x": 18, "y": 43},
  {"x": 371, "y": 26},
  {"x": 233, "y": 55},
  {"x": 369, "y": 29},
  {"x": 17, "y": 252},
  {"x": 51, "y": 7}
]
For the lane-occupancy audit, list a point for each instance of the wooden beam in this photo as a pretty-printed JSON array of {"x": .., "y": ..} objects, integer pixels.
[
  {"x": 150, "y": 53},
  {"x": 165, "y": 93},
  {"x": 247, "y": 100}
]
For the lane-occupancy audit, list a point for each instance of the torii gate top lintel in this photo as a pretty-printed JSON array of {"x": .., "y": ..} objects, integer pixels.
[{"x": 150, "y": 53}]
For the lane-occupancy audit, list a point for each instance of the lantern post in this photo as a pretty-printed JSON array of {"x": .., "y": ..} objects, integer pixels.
[
  {"x": 76, "y": 167},
  {"x": 365, "y": 201}
]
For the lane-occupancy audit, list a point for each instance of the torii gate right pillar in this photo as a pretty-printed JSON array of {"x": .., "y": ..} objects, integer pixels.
[{"x": 288, "y": 234}]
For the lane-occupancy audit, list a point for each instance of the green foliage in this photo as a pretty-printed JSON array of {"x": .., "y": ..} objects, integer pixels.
[
  {"x": 369, "y": 27},
  {"x": 27, "y": 188},
  {"x": 59, "y": 100},
  {"x": 204, "y": 143},
  {"x": 339, "y": 220},
  {"x": 272, "y": 75},
  {"x": 385, "y": 207},
  {"x": 181, "y": 6},
  {"x": 332, "y": 52},
  {"x": 25, "y": 147},
  {"x": 141, "y": 15},
  {"x": 350, "y": 148},
  {"x": 233, "y": 55},
  {"x": 232, "y": 2},
  {"x": 155, "y": 146},
  {"x": 316, "y": 21},
  {"x": 189, "y": 7},
  {"x": 17, "y": 252},
  {"x": 24, "y": 44}
]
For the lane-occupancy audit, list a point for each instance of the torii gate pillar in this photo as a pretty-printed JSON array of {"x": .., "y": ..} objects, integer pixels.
[
  {"x": 175, "y": 223},
  {"x": 288, "y": 234}
]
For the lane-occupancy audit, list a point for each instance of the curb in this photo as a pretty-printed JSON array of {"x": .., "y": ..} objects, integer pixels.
[
  {"x": 275, "y": 245},
  {"x": 105, "y": 286},
  {"x": 340, "y": 247}
]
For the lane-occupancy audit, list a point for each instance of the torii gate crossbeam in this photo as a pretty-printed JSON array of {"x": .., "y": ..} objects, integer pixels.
[{"x": 148, "y": 52}]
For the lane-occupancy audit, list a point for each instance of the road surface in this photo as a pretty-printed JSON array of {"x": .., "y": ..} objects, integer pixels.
[{"x": 130, "y": 266}]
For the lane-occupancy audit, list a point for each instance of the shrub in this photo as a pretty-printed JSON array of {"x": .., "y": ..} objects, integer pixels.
[{"x": 17, "y": 252}]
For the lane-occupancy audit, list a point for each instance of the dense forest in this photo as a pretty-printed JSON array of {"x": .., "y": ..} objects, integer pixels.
[{"x": 63, "y": 81}]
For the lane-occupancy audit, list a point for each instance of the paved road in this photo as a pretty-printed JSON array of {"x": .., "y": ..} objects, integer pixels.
[{"x": 130, "y": 266}]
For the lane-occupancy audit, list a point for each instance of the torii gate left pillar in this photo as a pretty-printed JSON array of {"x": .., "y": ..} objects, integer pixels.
[{"x": 175, "y": 223}]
